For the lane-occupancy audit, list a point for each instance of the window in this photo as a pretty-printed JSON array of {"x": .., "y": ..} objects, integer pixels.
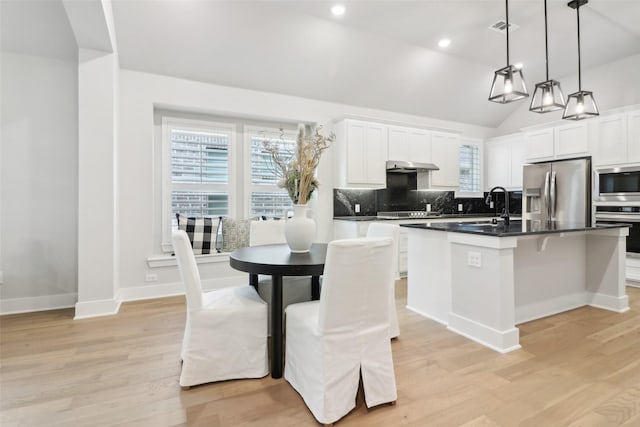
[
  {"x": 196, "y": 168},
  {"x": 266, "y": 198},
  {"x": 470, "y": 181}
]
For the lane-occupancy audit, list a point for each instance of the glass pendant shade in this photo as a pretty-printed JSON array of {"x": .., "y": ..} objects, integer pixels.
[
  {"x": 580, "y": 105},
  {"x": 508, "y": 85},
  {"x": 547, "y": 97}
]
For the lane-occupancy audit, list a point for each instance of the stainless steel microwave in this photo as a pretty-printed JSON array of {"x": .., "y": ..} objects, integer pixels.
[{"x": 617, "y": 184}]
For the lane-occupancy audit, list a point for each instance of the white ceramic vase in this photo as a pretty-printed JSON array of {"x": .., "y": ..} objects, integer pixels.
[{"x": 300, "y": 230}]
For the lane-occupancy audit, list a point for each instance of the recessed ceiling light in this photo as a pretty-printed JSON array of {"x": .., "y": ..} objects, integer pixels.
[
  {"x": 338, "y": 10},
  {"x": 444, "y": 43},
  {"x": 518, "y": 65}
]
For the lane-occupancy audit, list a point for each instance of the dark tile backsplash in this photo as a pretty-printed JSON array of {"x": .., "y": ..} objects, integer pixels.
[{"x": 397, "y": 199}]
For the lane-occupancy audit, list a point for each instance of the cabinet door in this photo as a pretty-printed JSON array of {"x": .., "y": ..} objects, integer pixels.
[
  {"x": 375, "y": 154},
  {"x": 571, "y": 140},
  {"x": 497, "y": 163},
  {"x": 398, "y": 143},
  {"x": 356, "y": 148},
  {"x": 633, "y": 141},
  {"x": 445, "y": 153},
  {"x": 419, "y": 145},
  {"x": 610, "y": 140},
  {"x": 517, "y": 161},
  {"x": 539, "y": 145}
]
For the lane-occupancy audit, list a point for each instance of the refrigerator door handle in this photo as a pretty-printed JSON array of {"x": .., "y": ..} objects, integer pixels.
[
  {"x": 546, "y": 192},
  {"x": 553, "y": 193}
]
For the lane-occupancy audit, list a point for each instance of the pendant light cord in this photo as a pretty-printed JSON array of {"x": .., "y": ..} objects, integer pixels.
[
  {"x": 507, "y": 13},
  {"x": 579, "y": 66},
  {"x": 546, "y": 42}
]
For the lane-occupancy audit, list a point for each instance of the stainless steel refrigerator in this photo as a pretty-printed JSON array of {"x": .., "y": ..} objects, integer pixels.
[{"x": 558, "y": 191}]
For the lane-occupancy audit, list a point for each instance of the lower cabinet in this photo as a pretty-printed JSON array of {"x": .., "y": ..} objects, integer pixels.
[{"x": 347, "y": 229}]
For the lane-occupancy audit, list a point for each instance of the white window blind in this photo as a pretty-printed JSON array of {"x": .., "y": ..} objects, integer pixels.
[
  {"x": 469, "y": 168},
  {"x": 196, "y": 170},
  {"x": 199, "y": 172},
  {"x": 266, "y": 198}
]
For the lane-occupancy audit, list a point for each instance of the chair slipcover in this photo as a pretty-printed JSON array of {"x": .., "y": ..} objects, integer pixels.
[
  {"x": 294, "y": 289},
  {"x": 225, "y": 335},
  {"x": 377, "y": 229},
  {"x": 329, "y": 342}
]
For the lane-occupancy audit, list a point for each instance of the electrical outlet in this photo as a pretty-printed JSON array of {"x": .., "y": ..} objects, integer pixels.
[
  {"x": 460, "y": 207},
  {"x": 474, "y": 259},
  {"x": 491, "y": 205},
  {"x": 428, "y": 207},
  {"x": 151, "y": 277},
  {"x": 357, "y": 208}
]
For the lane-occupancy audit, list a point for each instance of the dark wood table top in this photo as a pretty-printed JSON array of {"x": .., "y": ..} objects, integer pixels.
[{"x": 278, "y": 260}]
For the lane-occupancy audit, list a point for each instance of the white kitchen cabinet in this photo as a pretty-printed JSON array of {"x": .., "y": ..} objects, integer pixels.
[
  {"x": 398, "y": 145},
  {"x": 539, "y": 145},
  {"x": 350, "y": 229},
  {"x": 557, "y": 142},
  {"x": 504, "y": 158},
  {"x": 633, "y": 137},
  {"x": 362, "y": 153},
  {"x": 445, "y": 153},
  {"x": 609, "y": 143},
  {"x": 497, "y": 163},
  {"x": 409, "y": 144},
  {"x": 571, "y": 140}
]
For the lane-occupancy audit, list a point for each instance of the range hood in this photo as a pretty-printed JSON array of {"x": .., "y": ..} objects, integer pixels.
[{"x": 402, "y": 166}]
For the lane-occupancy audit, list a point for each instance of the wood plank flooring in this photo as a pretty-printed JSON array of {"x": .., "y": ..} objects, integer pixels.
[{"x": 580, "y": 368}]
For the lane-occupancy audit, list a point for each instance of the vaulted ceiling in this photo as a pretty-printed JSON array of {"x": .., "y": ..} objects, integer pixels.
[{"x": 379, "y": 54}]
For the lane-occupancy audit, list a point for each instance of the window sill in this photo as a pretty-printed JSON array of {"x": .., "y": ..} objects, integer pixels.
[{"x": 170, "y": 261}]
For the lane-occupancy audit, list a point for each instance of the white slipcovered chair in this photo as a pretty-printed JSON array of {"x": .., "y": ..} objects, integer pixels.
[
  {"x": 294, "y": 289},
  {"x": 331, "y": 341},
  {"x": 392, "y": 231},
  {"x": 225, "y": 335}
]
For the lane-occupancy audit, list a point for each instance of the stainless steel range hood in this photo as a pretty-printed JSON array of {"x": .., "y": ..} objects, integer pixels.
[{"x": 401, "y": 166}]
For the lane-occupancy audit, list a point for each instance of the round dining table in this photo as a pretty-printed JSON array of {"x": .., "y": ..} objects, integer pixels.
[{"x": 278, "y": 261}]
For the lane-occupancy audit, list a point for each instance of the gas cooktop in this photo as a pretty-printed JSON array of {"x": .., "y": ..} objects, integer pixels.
[{"x": 408, "y": 214}]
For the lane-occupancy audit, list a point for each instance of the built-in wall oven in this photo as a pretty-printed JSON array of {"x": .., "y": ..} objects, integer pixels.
[{"x": 623, "y": 214}]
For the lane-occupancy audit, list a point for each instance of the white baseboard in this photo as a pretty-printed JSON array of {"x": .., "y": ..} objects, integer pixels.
[
  {"x": 41, "y": 303},
  {"x": 608, "y": 302},
  {"x": 500, "y": 341},
  {"x": 97, "y": 308},
  {"x": 422, "y": 313}
]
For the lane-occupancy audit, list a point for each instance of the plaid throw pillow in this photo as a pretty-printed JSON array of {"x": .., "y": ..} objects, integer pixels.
[{"x": 202, "y": 232}]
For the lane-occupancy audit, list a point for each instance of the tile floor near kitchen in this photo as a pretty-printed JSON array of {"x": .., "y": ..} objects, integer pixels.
[{"x": 580, "y": 368}]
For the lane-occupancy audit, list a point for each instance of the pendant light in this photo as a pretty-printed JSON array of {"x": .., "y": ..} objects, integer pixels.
[
  {"x": 547, "y": 95},
  {"x": 508, "y": 82},
  {"x": 580, "y": 105}
]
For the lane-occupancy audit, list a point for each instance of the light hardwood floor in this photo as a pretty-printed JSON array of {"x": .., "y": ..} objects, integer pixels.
[{"x": 580, "y": 368}]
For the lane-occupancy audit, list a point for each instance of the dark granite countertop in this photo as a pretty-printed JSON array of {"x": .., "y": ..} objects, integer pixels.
[
  {"x": 515, "y": 228},
  {"x": 435, "y": 217}
]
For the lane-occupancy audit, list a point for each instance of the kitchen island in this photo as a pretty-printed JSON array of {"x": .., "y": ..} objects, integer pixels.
[{"x": 481, "y": 280}]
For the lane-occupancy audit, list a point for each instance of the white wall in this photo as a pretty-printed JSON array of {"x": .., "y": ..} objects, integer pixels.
[
  {"x": 138, "y": 162},
  {"x": 39, "y": 193},
  {"x": 613, "y": 85}
]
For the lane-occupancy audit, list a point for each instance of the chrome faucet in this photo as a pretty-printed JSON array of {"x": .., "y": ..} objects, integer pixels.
[{"x": 505, "y": 212}]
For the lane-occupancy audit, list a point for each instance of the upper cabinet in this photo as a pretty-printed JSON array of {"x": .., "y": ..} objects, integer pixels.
[
  {"x": 616, "y": 139},
  {"x": 563, "y": 141},
  {"x": 445, "y": 153},
  {"x": 362, "y": 153},
  {"x": 504, "y": 158},
  {"x": 409, "y": 144}
]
